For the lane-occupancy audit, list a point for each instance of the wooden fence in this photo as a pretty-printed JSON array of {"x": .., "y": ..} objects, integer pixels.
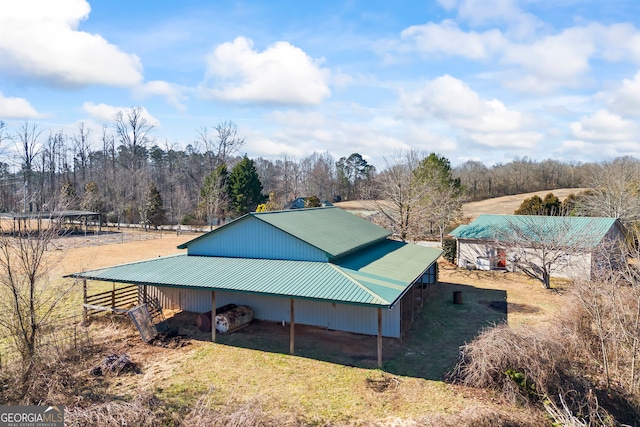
[{"x": 117, "y": 300}]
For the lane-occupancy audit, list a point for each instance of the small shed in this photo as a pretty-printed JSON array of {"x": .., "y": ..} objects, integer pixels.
[{"x": 484, "y": 243}]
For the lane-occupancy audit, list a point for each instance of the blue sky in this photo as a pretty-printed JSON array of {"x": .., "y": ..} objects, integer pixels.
[{"x": 487, "y": 80}]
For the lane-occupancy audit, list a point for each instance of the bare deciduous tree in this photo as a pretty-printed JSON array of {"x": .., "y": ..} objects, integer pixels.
[
  {"x": 614, "y": 191},
  {"x": 134, "y": 132},
  {"x": 219, "y": 147},
  {"x": 27, "y": 298},
  {"x": 540, "y": 246},
  {"x": 400, "y": 195},
  {"x": 27, "y": 143}
]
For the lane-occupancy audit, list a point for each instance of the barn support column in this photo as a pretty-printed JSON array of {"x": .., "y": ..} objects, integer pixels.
[
  {"x": 413, "y": 303},
  {"x": 379, "y": 338},
  {"x": 421, "y": 291},
  {"x": 213, "y": 316},
  {"x": 292, "y": 329}
]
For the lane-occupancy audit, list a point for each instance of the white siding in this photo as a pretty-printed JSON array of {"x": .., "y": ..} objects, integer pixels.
[
  {"x": 341, "y": 317},
  {"x": 255, "y": 239},
  {"x": 573, "y": 265},
  {"x": 470, "y": 251}
]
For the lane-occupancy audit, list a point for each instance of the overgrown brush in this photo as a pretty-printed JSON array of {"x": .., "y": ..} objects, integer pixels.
[
  {"x": 537, "y": 366},
  {"x": 143, "y": 411}
]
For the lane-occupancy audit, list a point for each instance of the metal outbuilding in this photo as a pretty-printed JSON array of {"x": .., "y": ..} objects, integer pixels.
[{"x": 322, "y": 267}]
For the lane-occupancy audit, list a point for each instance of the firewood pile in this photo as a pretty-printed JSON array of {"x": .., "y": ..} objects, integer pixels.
[{"x": 115, "y": 364}]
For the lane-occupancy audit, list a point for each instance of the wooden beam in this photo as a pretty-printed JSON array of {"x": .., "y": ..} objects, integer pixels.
[
  {"x": 379, "y": 338},
  {"x": 413, "y": 303},
  {"x": 213, "y": 316},
  {"x": 421, "y": 291},
  {"x": 292, "y": 329}
]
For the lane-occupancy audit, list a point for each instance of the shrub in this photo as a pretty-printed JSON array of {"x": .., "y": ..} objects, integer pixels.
[{"x": 449, "y": 246}]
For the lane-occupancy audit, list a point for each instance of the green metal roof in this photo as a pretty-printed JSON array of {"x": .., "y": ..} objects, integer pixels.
[
  {"x": 330, "y": 229},
  {"x": 587, "y": 231},
  {"x": 374, "y": 278}
]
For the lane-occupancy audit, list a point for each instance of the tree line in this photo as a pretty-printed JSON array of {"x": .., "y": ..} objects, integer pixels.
[{"x": 126, "y": 170}]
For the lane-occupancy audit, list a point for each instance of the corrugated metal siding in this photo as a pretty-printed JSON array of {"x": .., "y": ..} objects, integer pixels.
[
  {"x": 264, "y": 307},
  {"x": 252, "y": 238},
  {"x": 342, "y": 317}
]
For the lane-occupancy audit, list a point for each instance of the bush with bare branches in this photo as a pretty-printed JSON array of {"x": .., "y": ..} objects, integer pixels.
[{"x": 534, "y": 366}]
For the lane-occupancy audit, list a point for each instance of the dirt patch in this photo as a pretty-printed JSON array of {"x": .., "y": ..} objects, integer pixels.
[
  {"x": 171, "y": 339},
  {"x": 386, "y": 383}
]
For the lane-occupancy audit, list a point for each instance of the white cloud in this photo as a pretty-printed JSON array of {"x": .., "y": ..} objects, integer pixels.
[
  {"x": 553, "y": 60},
  {"x": 40, "y": 39},
  {"x": 16, "y": 108},
  {"x": 448, "y": 38},
  {"x": 282, "y": 73},
  {"x": 106, "y": 113},
  {"x": 172, "y": 92},
  {"x": 482, "y": 12},
  {"x": 507, "y": 140},
  {"x": 452, "y": 100},
  {"x": 486, "y": 122},
  {"x": 605, "y": 127},
  {"x": 625, "y": 99}
]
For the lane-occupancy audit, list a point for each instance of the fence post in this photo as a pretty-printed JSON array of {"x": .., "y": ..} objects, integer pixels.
[{"x": 85, "y": 311}]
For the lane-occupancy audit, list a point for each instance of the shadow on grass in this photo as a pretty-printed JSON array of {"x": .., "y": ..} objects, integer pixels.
[
  {"x": 432, "y": 346},
  {"x": 429, "y": 351}
]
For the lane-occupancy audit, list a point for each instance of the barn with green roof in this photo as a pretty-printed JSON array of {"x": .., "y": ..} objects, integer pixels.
[
  {"x": 571, "y": 242},
  {"x": 327, "y": 266}
]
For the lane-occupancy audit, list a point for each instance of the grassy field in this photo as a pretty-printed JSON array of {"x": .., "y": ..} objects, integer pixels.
[{"x": 497, "y": 205}]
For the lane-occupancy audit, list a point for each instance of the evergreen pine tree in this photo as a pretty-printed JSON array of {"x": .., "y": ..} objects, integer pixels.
[
  {"x": 153, "y": 212},
  {"x": 245, "y": 188}
]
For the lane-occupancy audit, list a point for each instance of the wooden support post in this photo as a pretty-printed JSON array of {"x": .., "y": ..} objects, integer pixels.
[
  {"x": 413, "y": 303},
  {"x": 213, "y": 316},
  {"x": 421, "y": 291},
  {"x": 379, "y": 338},
  {"x": 144, "y": 294},
  {"x": 292, "y": 329},
  {"x": 85, "y": 310},
  {"x": 113, "y": 296}
]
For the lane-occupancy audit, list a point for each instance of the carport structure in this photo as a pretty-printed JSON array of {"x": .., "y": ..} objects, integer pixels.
[
  {"x": 322, "y": 267},
  {"x": 23, "y": 218}
]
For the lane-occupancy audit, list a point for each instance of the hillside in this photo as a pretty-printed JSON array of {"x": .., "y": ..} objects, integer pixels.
[
  {"x": 508, "y": 204},
  {"x": 496, "y": 205}
]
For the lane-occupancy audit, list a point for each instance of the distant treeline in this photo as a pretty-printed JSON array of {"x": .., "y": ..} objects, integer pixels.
[{"x": 111, "y": 172}]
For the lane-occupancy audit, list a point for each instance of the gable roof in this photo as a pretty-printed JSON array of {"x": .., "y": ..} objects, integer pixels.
[
  {"x": 588, "y": 231},
  {"x": 378, "y": 276},
  {"x": 330, "y": 229}
]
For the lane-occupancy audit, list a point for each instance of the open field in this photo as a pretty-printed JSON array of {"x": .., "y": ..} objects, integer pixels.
[
  {"x": 497, "y": 205},
  {"x": 329, "y": 379},
  {"x": 508, "y": 204}
]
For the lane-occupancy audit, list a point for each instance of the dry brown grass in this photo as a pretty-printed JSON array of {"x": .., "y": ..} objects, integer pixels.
[
  {"x": 498, "y": 205},
  {"x": 508, "y": 204}
]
